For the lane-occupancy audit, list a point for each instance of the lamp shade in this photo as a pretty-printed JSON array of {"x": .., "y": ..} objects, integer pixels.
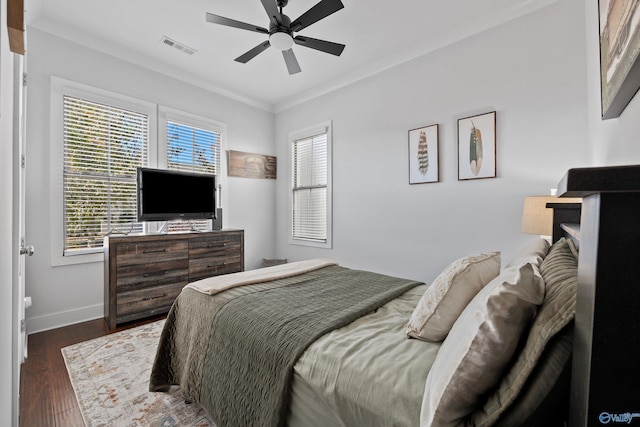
[{"x": 537, "y": 218}]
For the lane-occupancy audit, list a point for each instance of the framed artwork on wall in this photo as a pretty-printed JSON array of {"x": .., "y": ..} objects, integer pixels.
[
  {"x": 424, "y": 155},
  {"x": 477, "y": 146},
  {"x": 619, "y": 54}
]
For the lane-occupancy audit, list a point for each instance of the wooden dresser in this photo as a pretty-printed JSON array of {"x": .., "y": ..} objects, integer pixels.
[{"x": 143, "y": 274}]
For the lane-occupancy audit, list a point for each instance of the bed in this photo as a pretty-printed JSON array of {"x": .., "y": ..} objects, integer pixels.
[{"x": 489, "y": 342}]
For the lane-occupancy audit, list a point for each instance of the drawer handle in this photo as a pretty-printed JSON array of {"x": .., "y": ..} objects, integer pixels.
[
  {"x": 219, "y": 245},
  {"x": 156, "y": 251},
  {"x": 216, "y": 265},
  {"x": 156, "y": 297},
  {"x": 157, "y": 274}
]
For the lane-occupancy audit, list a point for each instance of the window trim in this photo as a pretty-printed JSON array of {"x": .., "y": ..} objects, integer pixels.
[{"x": 325, "y": 127}]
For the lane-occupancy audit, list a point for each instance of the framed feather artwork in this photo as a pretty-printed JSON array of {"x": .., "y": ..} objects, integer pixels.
[
  {"x": 477, "y": 147},
  {"x": 424, "y": 155}
]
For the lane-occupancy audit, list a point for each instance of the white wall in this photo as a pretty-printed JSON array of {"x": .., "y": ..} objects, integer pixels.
[
  {"x": 7, "y": 253},
  {"x": 530, "y": 70},
  {"x": 614, "y": 141},
  {"x": 539, "y": 72},
  {"x": 70, "y": 294}
]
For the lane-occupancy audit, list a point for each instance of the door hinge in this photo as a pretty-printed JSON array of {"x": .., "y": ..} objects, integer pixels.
[
  {"x": 24, "y": 79},
  {"x": 23, "y": 325},
  {"x": 23, "y": 161}
]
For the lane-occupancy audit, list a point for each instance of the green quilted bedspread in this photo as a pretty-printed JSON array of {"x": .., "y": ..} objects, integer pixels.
[{"x": 234, "y": 352}]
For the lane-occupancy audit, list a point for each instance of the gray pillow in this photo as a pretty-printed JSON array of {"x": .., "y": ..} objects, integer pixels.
[
  {"x": 545, "y": 394},
  {"x": 449, "y": 294},
  {"x": 560, "y": 272},
  {"x": 480, "y": 346}
]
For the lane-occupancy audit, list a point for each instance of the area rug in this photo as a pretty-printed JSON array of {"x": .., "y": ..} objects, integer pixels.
[{"x": 110, "y": 378}]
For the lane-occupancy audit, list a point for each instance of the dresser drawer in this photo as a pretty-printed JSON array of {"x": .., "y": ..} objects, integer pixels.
[
  {"x": 214, "y": 246},
  {"x": 213, "y": 255},
  {"x": 137, "y": 253},
  {"x": 147, "y": 275},
  {"x": 149, "y": 301},
  {"x": 212, "y": 266}
]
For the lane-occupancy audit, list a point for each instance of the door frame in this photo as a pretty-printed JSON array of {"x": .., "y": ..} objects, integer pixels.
[{"x": 19, "y": 329}]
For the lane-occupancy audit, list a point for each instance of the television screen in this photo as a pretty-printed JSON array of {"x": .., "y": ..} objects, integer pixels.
[{"x": 165, "y": 195}]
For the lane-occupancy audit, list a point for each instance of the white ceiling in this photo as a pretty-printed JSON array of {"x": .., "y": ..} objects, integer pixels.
[{"x": 378, "y": 35}]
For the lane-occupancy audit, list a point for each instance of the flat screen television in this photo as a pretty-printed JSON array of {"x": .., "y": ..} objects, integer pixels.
[{"x": 164, "y": 195}]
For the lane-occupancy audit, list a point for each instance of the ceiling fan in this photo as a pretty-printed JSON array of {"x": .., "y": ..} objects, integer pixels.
[{"x": 281, "y": 30}]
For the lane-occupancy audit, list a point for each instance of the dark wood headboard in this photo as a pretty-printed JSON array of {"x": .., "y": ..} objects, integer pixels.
[
  {"x": 606, "y": 358},
  {"x": 566, "y": 220}
]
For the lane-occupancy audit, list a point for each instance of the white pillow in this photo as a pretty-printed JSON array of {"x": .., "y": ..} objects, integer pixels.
[
  {"x": 533, "y": 252},
  {"x": 449, "y": 294},
  {"x": 480, "y": 346}
]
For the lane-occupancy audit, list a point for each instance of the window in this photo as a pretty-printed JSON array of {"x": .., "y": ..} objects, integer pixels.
[
  {"x": 311, "y": 186},
  {"x": 192, "y": 146},
  {"x": 99, "y": 139},
  {"x": 103, "y": 146},
  {"x": 194, "y": 149}
]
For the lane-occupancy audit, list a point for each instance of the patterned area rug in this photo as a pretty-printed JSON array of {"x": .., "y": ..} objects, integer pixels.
[{"x": 110, "y": 377}]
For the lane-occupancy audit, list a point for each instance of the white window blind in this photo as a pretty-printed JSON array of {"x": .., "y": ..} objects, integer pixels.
[
  {"x": 103, "y": 146},
  {"x": 309, "y": 157},
  {"x": 192, "y": 149}
]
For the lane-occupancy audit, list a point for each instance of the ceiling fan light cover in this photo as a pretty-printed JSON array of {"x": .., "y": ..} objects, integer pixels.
[{"x": 281, "y": 41}]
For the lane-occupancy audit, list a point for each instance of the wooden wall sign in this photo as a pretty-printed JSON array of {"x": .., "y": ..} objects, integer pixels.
[{"x": 249, "y": 165}]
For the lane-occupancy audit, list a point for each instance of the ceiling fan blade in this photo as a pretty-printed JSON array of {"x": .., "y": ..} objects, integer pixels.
[
  {"x": 253, "y": 52},
  {"x": 321, "y": 45},
  {"x": 215, "y": 19},
  {"x": 291, "y": 61},
  {"x": 316, "y": 13},
  {"x": 272, "y": 10}
]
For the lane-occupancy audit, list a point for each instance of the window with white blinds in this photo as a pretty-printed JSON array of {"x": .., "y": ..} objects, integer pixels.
[
  {"x": 192, "y": 149},
  {"x": 311, "y": 190},
  {"x": 103, "y": 146}
]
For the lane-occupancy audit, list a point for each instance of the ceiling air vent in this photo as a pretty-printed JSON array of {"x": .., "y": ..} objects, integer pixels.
[{"x": 181, "y": 47}]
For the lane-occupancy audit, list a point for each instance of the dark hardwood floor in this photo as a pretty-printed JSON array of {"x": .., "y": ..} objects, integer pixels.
[{"x": 46, "y": 394}]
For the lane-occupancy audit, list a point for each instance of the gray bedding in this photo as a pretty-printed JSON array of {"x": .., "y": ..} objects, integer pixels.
[
  {"x": 234, "y": 352},
  {"x": 365, "y": 374}
]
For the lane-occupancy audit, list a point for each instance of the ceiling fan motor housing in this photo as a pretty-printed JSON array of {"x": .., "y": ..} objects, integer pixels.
[{"x": 281, "y": 27}]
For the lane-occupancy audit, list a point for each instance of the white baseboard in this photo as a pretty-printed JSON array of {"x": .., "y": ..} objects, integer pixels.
[{"x": 64, "y": 318}]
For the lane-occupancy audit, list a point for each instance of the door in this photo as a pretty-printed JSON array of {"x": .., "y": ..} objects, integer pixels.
[
  {"x": 19, "y": 203},
  {"x": 19, "y": 301},
  {"x": 22, "y": 249}
]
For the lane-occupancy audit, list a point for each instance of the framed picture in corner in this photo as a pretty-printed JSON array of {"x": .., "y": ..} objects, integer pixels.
[
  {"x": 424, "y": 155},
  {"x": 477, "y": 147},
  {"x": 619, "y": 54}
]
